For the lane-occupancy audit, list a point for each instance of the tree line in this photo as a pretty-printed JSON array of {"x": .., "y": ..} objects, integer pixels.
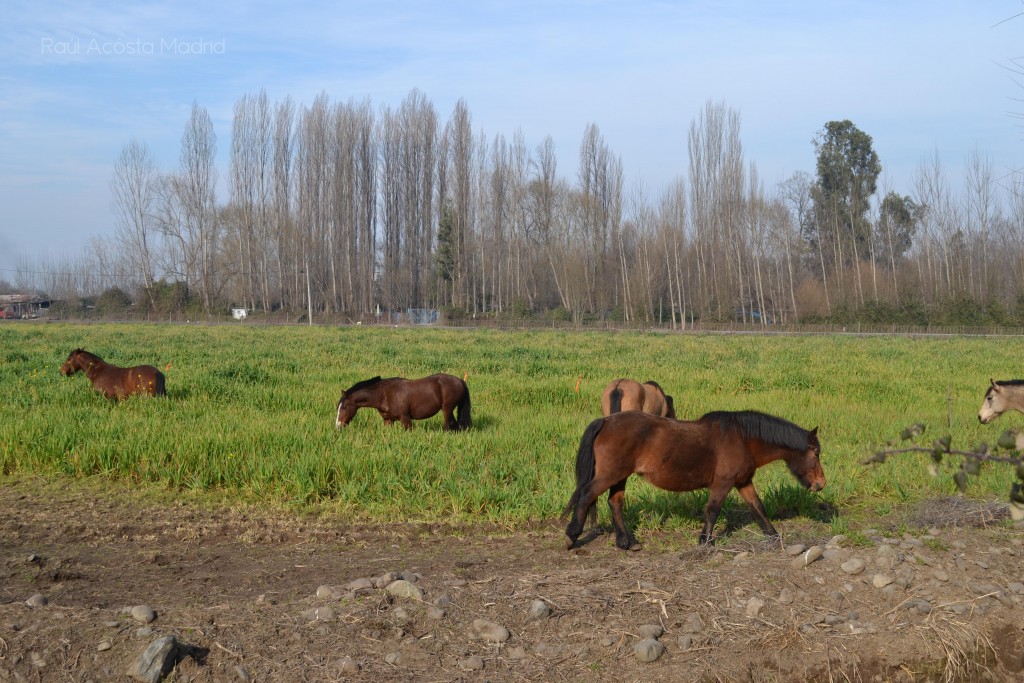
[{"x": 345, "y": 210}]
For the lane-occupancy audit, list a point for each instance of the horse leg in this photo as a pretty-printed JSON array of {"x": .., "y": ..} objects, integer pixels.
[
  {"x": 623, "y": 537},
  {"x": 588, "y": 495},
  {"x": 406, "y": 421},
  {"x": 449, "y": 419},
  {"x": 716, "y": 496},
  {"x": 749, "y": 495}
]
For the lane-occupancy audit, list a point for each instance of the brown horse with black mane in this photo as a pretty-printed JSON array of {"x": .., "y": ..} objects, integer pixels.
[
  {"x": 406, "y": 400},
  {"x": 628, "y": 394},
  {"x": 720, "y": 451},
  {"x": 113, "y": 381}
]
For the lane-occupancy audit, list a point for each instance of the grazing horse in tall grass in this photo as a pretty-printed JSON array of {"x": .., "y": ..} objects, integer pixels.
[
  {"x": 628, "y": 394},
  {"x": 720, "y": 451},
  {"x": 1001, "y": 396},
  {"x": 113, "y": 381},
  {"x": 406, "y": 400}
]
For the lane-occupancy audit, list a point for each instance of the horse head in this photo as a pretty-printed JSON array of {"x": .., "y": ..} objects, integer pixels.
[
  {"x": 73, "y": 364},
  {"x": 807, "y": 467},
  {"x": 346, "y": 411},
  {"x": 994, "y": 403}
]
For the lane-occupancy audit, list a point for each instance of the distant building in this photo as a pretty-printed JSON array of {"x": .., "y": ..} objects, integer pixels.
[
  {"x": 21, "y": 306},
  {"x": 239, "y": 313}
]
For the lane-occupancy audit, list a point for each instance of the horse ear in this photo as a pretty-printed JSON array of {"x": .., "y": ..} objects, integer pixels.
[{"x": 994, "y": 385}]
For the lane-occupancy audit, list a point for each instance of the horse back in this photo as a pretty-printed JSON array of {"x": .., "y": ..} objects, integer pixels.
[
  {"x": 620, "y": 395},
  {"x": 670, "y": 454},
  {"x": 142, "y": 379}
]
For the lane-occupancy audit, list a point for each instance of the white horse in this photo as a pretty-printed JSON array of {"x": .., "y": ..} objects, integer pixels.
[{"x": 1001, "y": 396}]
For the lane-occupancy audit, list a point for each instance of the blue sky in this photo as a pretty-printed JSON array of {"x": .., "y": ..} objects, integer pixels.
[{"x": 79, "y": 79}]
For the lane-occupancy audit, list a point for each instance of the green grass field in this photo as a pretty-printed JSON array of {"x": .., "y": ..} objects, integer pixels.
[{"x": 249, "y": 415}]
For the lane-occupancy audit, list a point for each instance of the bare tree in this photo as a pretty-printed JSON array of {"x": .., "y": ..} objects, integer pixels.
[{"x": 134, "y": 193}]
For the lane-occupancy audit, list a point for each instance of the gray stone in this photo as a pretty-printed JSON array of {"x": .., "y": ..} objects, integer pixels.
[
  {"x": 144, "y": 614},
  {"x": 327, "y": 593},
  {"x": 539, "y": 610},
  {"x": 833, "y": 554},
  {"x": 359, "y": 585},
  {"x": 754, "y": 607},
  {"x": 242, "y": 674},
  {"x": 143, "y": 632},
  {"x": 648, "y": 650},
  {"x": 325, "y": 613},
  {"x": 104, "y": 646},
  {"x": 347, "y": 665},
  {"x": 692, "y": 623},
  {"x": 881, "y": 580},
  {"x": 650, "y": 631},
  {"x": 435, "y": 613},
  {"x": 490, "y": 631},
  {"x": 405, "y": 589},
  {"x": 853, "y": 566},
  {"x": 517, "y": 652},
  {"x": 473, "y": 663},
  {"x": 795, "y": 549},
  {"x": 393, "y": 658},
  {"x": 685, "y": 643},
  {"x": 785, "y": 596},
  {"x": 156, "y": 661},
  {"x": 37, "y": 600},
  {"x": 384, "y": 579},
  {"x": 810, "y": 555}
]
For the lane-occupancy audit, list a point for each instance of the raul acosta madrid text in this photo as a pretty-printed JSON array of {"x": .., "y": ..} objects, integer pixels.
[{"x": 164, "y": 46}]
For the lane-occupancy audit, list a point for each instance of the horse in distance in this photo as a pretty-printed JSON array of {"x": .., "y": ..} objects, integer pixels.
[
  {"x": 1001, "y": 396},
  {"x": 719, "y": 452},
  {"x": 628, "y": 394},
  {"x": 405, "y": 400},
  {"x": 114, "y": 381}
]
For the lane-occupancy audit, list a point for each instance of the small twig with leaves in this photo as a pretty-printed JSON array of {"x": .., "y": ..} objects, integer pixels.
[{"x": 1011, "y": 442}]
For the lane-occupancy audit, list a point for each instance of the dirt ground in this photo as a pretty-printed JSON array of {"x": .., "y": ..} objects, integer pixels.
[{"x": 238, "y": 590}]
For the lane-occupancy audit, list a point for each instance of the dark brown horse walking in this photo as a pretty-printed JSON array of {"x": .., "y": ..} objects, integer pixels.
[
  {"x": 628, "y": 394},
  {"x": 719, "y": 451},
  {"x": 113, "y": 381},
  {"x": 406, "y": 400}
]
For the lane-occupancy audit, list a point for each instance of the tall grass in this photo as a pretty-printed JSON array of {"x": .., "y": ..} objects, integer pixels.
[{"x": 250, "y": 413}]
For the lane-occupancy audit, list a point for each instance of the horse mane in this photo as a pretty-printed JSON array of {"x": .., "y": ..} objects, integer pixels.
[
  {"x": 654, "y": 384},
  {"x": 755, "y": 425},
  {"x": 363, "y": 384},
  {"x": 1010, "y": 382}
]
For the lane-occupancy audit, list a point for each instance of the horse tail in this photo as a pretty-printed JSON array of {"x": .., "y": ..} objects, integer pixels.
[
  {"x": 585, "y": 469},
  {"x": 463, "y": 409},
  {"x": 160, "y": 389},
  {"x": 615, "y": 399}
]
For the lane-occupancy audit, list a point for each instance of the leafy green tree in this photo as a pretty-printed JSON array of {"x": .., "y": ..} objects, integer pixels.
[
  {"x": 847, "y": 176},
  {"x": 898, "y": 219},
  {"x": 445, "y": 258},
  {"x": 113, "y": 301}
]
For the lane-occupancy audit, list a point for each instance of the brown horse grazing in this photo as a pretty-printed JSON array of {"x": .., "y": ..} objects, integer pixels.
[
  {"x": 1007, "y": 394},
  {"x": 113, "y": 381},
  {"x": 406, "y": 400},
  {"x": 719, "y": 451},
  {"x": 628, "y": 394}
]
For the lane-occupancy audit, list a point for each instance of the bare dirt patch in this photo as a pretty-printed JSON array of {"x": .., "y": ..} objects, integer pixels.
[{"x": 238, "y": 590}]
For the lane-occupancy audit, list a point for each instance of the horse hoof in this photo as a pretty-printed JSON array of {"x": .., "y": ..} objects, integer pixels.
[
  {"x": 636, "y": 546},
  {"x": 569, "y": 542}
]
